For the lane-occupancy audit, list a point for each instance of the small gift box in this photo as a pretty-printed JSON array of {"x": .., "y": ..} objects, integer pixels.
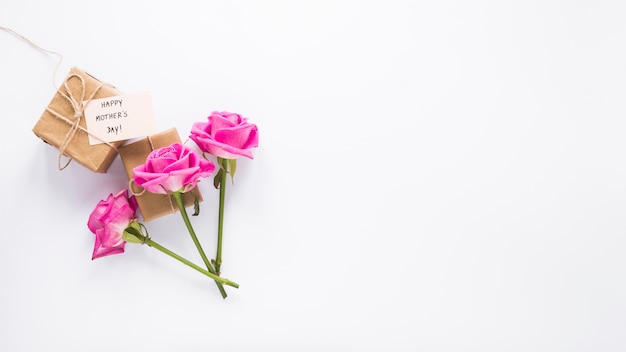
[
  {"x": 152, "y": 205},
  {"x": 63, "y": 125}
]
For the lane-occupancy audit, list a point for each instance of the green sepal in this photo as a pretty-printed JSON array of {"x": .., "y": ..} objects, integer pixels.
[
  {"x": 196, "y": 205},
  {"x": 217, "y": 178},
  {"x": 133, "y": 233},
  {"x": 232, "y": 167}
]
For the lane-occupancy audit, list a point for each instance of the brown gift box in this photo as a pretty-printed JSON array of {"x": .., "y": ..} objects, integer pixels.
[
  {"x": 62, "y": 124},
  {"x": 152, "y": 205}
]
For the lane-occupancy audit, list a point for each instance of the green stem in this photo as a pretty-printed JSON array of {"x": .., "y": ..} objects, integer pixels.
[
  {"x": 219, "y": 279},
  {"x": 220, "y": 219},
  {"x": 181, "y": 206}
]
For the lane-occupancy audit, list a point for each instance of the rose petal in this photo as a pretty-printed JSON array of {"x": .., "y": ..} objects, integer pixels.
[
  {"x": 240, "y": 137},
  {"x": 99, "y": 251},
  {"x": 150, "y": 181}
]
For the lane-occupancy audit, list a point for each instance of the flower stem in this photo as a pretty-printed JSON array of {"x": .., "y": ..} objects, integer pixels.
[
  {"x": 220, "y": 219},
  {"x": 221, "y": 280},
  {"x": 181, "y": 206}
]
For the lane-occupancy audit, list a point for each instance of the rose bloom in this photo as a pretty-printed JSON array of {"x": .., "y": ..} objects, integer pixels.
[
  {"x": 175, "y": 168},
  {"x": 108, "y": 221},
  {"x": 226, "y": 135}
]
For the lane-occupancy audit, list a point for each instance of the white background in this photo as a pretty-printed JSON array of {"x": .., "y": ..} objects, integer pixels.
[{"x": 431, "y": 175}]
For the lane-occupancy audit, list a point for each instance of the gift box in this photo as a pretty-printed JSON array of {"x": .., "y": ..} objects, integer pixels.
[
  {"x": 63, "y": 125},
  {"x": 152, "y": 205}
]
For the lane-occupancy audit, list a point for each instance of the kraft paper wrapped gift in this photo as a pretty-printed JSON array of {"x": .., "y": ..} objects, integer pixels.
[
  {"x": 63, "y": 126},
  {"x": 152, "y": 205}
]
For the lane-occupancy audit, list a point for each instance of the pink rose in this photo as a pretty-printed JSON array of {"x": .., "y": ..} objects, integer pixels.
[
  {"x": 172, "y": 169},
  {"x": 225, "y": 135},
  {"x": 108, "y": 221}
]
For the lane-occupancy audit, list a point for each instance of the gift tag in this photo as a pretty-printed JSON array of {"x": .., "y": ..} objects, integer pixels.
[{"x": 119, "y": 118}]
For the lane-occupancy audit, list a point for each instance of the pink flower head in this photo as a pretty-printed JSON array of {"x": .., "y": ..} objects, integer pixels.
[
  {"x": 108, "y": 221},
  {"x": 172, "y": 169},
  {"x": 226, "y": 135}
]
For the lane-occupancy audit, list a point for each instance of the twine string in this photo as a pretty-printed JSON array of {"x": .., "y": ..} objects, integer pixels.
[
  {"x": 56, "y": 68},
  {"x": 169, "y": 197},
  {"x": 131, "y": 182}
]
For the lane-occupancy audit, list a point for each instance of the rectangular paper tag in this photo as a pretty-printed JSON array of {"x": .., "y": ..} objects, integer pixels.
[{"x": 119, "y": 118}]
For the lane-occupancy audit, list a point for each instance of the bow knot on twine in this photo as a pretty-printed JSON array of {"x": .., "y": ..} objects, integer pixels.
[{"x": 78, "y": 106}]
